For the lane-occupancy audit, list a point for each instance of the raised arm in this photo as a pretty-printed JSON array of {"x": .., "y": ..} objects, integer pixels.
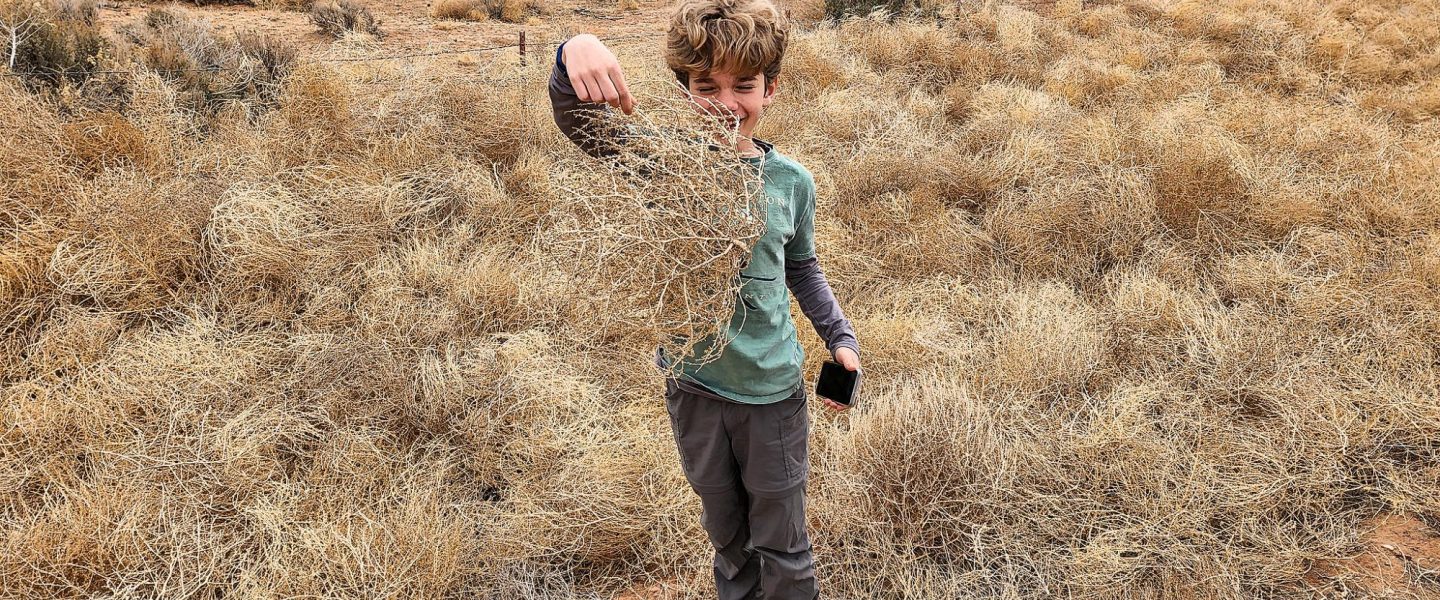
[{"x": 586, "y": 77}]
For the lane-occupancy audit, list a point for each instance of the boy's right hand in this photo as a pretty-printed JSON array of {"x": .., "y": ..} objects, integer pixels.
[{"x": 595, "y": 73}]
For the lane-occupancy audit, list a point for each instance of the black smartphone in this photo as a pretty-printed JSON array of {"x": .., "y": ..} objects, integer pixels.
[{"x": 838, "y": 384}]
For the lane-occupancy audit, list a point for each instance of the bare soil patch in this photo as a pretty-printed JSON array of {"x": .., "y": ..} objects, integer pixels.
[{"x": 1400, "y": 558}]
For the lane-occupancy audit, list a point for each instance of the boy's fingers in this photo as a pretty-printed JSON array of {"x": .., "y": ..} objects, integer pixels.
[
  {"x": 607, "y": 88},
  {"x": 597, "y": 93},
  {"x": 581, "y": 89},
  {"x": 590, "y": 82},
  {"x": 627, "y": 102}
]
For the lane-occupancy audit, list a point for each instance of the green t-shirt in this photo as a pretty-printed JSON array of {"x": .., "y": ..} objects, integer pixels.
[{"x": 761, "y": 364}]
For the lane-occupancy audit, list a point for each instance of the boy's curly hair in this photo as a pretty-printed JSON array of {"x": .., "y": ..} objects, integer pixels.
[{"x": 740, "y": 36}]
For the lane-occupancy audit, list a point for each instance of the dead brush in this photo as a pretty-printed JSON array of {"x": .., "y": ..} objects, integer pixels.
[
  {"x": 210, "y": 70},
  {"x": 654, "y": 237},
  {"x": 338, "y": 17},
  {"x": 839, "y": 9},
  {"x": 442, "y": 286},
  {"x": 295, "y": 5},
  {"x": 51, "y": 44},
  {"x": 269, "y": 235},
  {"x": 509, "y": 11}
]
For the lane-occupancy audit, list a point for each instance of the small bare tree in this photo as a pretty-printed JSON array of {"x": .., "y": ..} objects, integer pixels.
[{"x": 15, "y": 30}]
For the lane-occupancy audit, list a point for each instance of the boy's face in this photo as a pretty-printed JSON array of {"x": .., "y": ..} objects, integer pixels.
[{"x": 744, "y": 97}]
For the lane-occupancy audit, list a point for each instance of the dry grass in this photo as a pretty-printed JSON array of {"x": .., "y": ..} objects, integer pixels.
[
  {"x": 510, "y": 11},
  {"x": 1148, "y": 292},
  {"x": 209, "y": 71},
  {"x": 295, "y": 5},
  {"x": 340, "y": 17},
  {"x": 51, "y": 44}
]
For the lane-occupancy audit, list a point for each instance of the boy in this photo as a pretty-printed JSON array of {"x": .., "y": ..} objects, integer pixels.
[{"x": 740, "y": 422}]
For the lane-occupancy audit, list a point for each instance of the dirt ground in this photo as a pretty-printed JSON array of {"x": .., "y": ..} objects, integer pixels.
[
  {"x": 1400, "y": 558},
  {"x": 408, "y": 27}
]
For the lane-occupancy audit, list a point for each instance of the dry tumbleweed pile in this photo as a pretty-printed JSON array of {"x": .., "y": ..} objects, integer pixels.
[{"x": 653, "y": 236}]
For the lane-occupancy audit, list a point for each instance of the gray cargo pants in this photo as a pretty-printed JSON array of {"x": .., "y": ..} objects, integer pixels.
[{"x": 749, "y": 465}]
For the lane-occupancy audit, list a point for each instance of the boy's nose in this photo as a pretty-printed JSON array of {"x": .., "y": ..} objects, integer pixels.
[
  {"x": 719, "y": 104},
  {"x": 728, "y": 99}
]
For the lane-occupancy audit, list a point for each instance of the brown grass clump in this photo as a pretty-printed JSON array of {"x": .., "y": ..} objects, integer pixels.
[
  {"x": 510, "y": 11},
  {"x": 653, "y": 236},
  {"x": 468, "y": 10},
  {"x": 213, "y": 72},
  {"x": 838, "y": 9},
  {"x": 295, "y": 5},
  {"x": 1148, "y": 294},
  {"x": 109, "y": 140},
  {"x": 339, "y": 17}
]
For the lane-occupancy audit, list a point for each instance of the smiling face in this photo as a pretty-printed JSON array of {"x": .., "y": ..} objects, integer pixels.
[{"x": 744, "y": 97}]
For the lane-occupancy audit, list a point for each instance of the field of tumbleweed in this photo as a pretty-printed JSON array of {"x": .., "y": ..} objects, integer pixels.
[{"x": 1148, "y": 295}]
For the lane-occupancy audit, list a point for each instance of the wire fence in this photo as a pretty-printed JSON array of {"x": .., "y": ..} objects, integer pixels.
[{"x": 526, "y": 49}]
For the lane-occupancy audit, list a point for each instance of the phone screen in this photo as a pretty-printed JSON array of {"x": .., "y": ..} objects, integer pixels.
[{"x": 836, "y": 383}]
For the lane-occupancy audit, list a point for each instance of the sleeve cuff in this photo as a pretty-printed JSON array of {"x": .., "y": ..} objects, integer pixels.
[{"x": 848, "y": 342}]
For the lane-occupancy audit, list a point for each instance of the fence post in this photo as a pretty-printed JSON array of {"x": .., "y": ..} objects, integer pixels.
[{"x": 522, "y": 47}]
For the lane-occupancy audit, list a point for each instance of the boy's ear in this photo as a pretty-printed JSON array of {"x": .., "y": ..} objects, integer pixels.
[{"x": 770, "y": 89}]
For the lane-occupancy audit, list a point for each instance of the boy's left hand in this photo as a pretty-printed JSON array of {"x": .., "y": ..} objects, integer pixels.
[{"x": 851, "y": 361}]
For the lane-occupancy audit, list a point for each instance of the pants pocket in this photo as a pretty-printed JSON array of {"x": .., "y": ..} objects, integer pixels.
[
  {"x": 795, "y": 437},
  {"x": 677, "y": 424}
]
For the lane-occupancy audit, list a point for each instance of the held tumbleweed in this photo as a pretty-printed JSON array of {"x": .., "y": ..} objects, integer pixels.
[{"x": 653, "y": 237}]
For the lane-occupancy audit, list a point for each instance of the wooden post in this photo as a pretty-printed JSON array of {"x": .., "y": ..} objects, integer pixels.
[{"x": 522, "y": 47}]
